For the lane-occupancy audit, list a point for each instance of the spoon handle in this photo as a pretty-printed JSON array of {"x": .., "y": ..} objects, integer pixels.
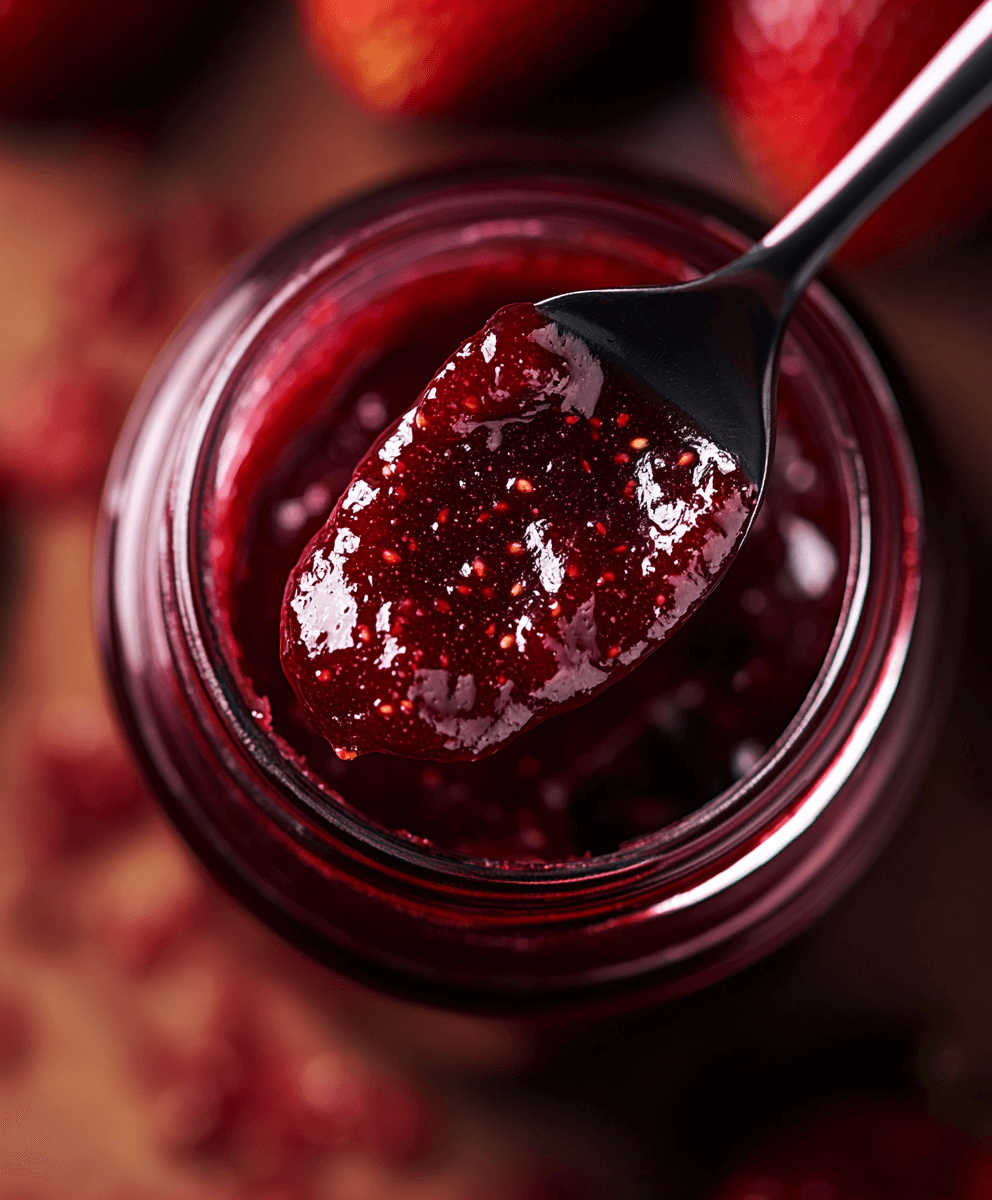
[{"x": 951, "y": 91}]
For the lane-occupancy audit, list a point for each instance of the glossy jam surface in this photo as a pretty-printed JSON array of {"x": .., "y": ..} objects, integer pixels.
[
  {"x": 521, "y": 538},
  {"x": 693, "y": 717}
]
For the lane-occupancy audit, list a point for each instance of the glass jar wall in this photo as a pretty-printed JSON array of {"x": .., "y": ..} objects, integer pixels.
[{"x": 695, "y": 816}]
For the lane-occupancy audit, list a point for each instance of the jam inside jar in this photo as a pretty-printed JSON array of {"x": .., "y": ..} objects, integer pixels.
[
  {"x": 693, "y": 718},
  {"x": 682, "y": 823}
]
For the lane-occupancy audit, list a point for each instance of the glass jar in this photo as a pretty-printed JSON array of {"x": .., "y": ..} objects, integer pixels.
[{"x": 664, "y": 913}]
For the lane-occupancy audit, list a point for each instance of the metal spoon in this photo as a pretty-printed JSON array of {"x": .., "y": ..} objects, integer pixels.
[{"x": 711, "y": 347}]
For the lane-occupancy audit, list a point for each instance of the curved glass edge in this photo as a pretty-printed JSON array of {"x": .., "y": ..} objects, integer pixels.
[{"x": 636, "y": 855}]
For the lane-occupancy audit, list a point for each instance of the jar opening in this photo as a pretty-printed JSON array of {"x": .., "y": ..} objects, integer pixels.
[
  {"x": 288, "y": 348},
  {"x": 250, "y": 429}
]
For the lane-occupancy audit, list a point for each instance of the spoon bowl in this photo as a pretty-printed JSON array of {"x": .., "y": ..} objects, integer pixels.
[
  {"x": 708, "y": 347},
  {"x": 711, "y": 346}
]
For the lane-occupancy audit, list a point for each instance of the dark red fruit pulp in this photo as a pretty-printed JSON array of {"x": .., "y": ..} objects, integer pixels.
[
  {"x": 674, "y": 733},
  {"x": 521, "y": 538}
]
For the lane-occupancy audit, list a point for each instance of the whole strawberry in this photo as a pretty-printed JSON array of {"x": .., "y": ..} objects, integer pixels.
[
  {"x": 51, "y": 48},
  {"x": 802, "y": 81},
  {"x": 865, "y": 1150},
  {"x": 454, "y": 57}
]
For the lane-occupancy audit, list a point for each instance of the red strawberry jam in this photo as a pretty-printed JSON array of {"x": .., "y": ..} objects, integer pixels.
[
  {"x": 520, "y": 539},
  {"x": 696, "y": 714}
]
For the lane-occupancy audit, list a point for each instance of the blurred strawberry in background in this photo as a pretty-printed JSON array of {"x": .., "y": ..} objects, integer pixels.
[
  {"x": 50, "y": 48},
  {"x": 449, "y": 57},
  {"x": 801, "y": 81}
]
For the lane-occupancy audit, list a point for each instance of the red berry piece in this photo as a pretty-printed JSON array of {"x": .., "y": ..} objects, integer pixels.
[
  {"x": 138, "y": 942},
  {"x": 345, "y": 1106},
  {"x": 155, "y": 1059},
  {"x": 17, "y": 1036},
  {"x": 333, "y": 1102},
  {"x": 401, "y": 1124},
  {"x": 439, "y": 640},
  {"x": 156, "y": 904},
  {"x": 261, "y": 1135},
  {"x": 229, "y": 1092},
  {"x": 202, "y": 231},
  {"x": 57, "y": 434},
  {"x": 87, "y": 785},
  {"x": 43, "y": 917},
  {"x": 124, "y": 283},
  {"x": 195, "y": 1111}
]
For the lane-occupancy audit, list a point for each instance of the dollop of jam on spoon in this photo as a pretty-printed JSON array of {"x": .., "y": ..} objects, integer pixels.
[{"x": 519, "y": 540}]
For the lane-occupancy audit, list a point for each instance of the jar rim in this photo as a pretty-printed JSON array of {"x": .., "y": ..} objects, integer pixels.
[{"x": 745, "y": 800}]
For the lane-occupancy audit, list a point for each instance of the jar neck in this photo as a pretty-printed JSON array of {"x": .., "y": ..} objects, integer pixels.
[{"x": 724, "y": 839}]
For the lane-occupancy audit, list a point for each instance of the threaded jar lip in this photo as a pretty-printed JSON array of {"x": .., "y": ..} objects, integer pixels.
[
  {"x": 167, "y": 463},
  {"x": 428, "y": 202}
]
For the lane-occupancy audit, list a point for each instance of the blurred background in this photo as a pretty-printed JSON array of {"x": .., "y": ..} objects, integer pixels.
[{"x": 154, "y": 1040}]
